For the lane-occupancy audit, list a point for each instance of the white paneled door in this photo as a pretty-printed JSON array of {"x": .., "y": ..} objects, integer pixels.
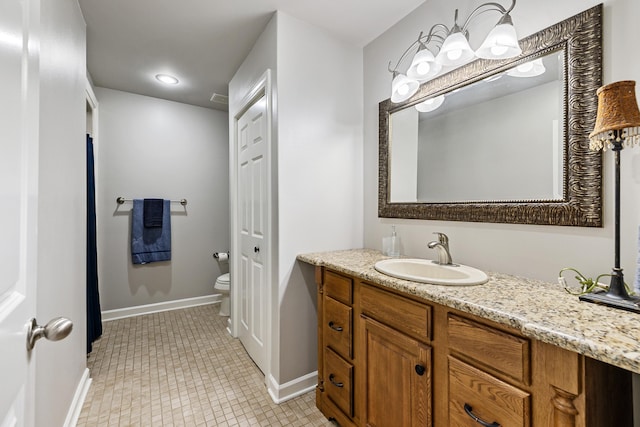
[
  {"x": 18, "y": 204},
  {"x": 252, "y": 208}
]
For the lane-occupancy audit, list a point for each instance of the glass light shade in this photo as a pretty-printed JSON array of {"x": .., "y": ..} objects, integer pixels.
[
  {"x": 617, "y": 111},
  {"x": 423, "y": 66},
  {"x": 403, "y": 88},
  {"x": 501, "y": 42},
  {"x": 455, "y": 50},
  {"x": 528, "y": 69},
  {"x": 430, "y": 104}
]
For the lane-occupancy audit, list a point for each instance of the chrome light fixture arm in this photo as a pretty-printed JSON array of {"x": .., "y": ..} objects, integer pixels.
[
  {"x": 487, "y": 7},
  {"x": 454, "y": 51},
  {"x": 422, "y": 43}
]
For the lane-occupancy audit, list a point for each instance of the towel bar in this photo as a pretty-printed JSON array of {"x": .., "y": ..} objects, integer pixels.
[{"x": 121, "y": 200}]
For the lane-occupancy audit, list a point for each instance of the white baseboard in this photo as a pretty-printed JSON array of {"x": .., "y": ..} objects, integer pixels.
[
  {"x": 282, "y": 392},
  {"x": 78, "y": 399},
  {"x": 140, "y": 310}
]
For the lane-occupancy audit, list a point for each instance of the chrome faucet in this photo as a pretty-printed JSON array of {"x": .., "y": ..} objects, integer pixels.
[{"x": 442, "y": 246}]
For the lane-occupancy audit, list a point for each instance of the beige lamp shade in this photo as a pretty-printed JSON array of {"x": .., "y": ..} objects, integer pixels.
[{"x": 617, "y": 111}]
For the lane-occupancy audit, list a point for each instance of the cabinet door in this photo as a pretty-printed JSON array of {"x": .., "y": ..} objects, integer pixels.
[{"x": 398, "y": 378}]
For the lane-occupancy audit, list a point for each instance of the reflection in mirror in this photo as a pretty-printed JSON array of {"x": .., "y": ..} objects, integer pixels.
[
  {"x": 497, "y": 139},
  {"x": 501, "y": 140}
]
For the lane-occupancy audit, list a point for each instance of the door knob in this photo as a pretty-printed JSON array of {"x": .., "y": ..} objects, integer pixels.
[{"x": 55, "y": 330}]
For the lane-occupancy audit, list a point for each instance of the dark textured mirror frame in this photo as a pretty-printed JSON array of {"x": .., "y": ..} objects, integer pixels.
[{"x": 581, "y": 38}]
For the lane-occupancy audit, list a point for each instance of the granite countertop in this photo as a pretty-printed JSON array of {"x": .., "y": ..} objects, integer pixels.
[{"x": 540, "y": 310}]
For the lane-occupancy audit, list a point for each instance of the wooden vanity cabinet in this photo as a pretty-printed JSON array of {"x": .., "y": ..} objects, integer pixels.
[
  {"x": 389, "y": 359},
  {"x": 336, "y": 366},
  {"x": 488, "y": 375},
  {"x": 396, "y": 359}
]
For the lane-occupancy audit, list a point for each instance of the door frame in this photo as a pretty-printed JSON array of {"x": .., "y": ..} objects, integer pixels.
[{"x": 263, "y": 86}]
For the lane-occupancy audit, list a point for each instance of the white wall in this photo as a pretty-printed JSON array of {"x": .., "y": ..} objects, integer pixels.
[
  {"x": 261, "y": 60},
  {"x": 317, "y": 172},
  {"x": 62, "y": 208},
  {"x": 156, "y": 148},
  {"x": 532, "y": 251}
]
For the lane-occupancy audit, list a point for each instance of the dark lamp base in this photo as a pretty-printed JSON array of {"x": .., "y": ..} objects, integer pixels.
[{"x": 629, "y": 303}]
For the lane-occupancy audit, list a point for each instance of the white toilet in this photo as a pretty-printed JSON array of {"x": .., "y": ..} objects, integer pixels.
[{"x": 223, "y": 284}]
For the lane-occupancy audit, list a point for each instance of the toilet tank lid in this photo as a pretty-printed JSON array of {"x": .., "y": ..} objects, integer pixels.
[{"x": 224, "y": 278}]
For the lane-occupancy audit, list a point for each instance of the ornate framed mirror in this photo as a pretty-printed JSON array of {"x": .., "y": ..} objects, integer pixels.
[{"x": 503, "y": 146}]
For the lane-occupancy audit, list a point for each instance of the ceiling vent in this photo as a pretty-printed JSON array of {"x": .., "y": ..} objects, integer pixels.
[{"x": 220, "y": 99}]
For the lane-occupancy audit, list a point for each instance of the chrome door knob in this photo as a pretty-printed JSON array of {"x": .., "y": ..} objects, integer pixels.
[{"x": 57, "y": 329}]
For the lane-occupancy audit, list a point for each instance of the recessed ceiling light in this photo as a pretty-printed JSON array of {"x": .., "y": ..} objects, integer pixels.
[{"x": 165, "y": 78}]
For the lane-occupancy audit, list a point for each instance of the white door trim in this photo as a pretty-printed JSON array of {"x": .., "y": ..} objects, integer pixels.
[{"x": 262, "y": 86}]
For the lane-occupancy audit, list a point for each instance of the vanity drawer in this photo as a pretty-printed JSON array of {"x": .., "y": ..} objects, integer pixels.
[
  {"x": 485, "y": 397},
  {"x": 338, "y": 287},
  {"x": 506, "y": 353},
  {"x": 338, "y": 381},
  {"x": 337, "y": 327},
  {"x": 412, "y": 317}
]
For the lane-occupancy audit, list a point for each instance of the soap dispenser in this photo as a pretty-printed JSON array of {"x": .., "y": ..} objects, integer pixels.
[{"x": 391, "y": 245}]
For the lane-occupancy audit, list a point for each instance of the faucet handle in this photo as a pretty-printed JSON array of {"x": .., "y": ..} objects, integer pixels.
[{"x": 442, "y": 238}]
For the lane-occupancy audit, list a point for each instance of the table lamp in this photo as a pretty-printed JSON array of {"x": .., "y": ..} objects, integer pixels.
[{"x": 617, "y": 125}]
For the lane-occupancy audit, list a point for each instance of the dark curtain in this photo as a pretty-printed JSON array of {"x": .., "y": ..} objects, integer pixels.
[{"x": 94, "y": 318}]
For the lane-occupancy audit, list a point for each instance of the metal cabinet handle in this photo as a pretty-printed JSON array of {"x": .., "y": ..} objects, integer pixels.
[
  {"x": 335, "y": 328},
  {"x": 331, "y": 377},
  {"x": 57, "y": 329},
  {"x": 468, "y": 409},
  {"x": 420, "y": 370}
]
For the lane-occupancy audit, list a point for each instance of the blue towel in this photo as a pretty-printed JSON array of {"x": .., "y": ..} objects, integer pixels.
[
  {"x": 150, "y": 244},
  {"x": 153, "y": 209}
]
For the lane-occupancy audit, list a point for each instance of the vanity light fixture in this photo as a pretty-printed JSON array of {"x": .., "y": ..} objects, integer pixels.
[
  {"x": 455, "y": 50},
  {"x": 424, "y": 65},
  {"x": 500, "y": 43},
  {"x": 167, "y": 79},
  {"x": 617, "y": 124},
  {"x": 402, "y": 87}
]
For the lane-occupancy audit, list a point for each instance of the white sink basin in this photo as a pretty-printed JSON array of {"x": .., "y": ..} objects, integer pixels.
[{"x": 426, "y": 271}]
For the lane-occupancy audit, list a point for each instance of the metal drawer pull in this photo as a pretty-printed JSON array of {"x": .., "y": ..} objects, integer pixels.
[
  {"x": 468, "y": 409},
  {"x": 331, "y": 377},
  {"x": 335, "y": 328}
]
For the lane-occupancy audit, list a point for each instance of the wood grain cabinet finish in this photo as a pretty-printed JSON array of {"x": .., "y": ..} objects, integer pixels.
[
  {"x": 338, "y": 381},
  {"x": 398, "y": 378},
  {"x": 338, "y": 287},
  {"x": 496, "y": 350},
  {"x": 476, "y": 396},
  {"x": 411, "y": 317},
  {"x": 390, "y": 359},
  {"x": 335, "y": 393},
  {"x": 337, "y": 327}
]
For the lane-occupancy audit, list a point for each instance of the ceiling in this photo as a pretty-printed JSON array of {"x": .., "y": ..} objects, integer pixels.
[{"x": 203, "y": 42}]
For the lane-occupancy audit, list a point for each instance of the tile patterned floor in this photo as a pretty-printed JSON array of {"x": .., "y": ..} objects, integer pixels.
[{"x": 181, "y": 368}]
